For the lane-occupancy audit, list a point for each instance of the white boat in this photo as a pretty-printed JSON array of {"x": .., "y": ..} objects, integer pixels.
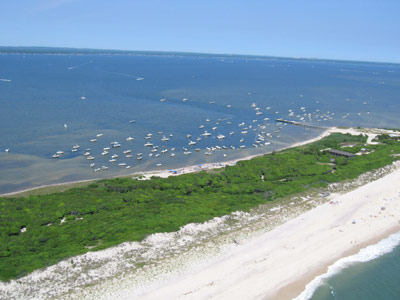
[
  {"x": 191, "y": 143},
  {"x": 53, "y": 156},
  {"x": 97, "y": 169},
  {"x": 132, "y": 121},
  {"x": 139, "y": 158},
  {"x": 116, "y": 145},
  {"x": 188, "y": 136},
  {"x": 164, "y": 151},
  {"x": 93, "y": 140},
  {"x": 231, "y": 133},
  {"x": 60, "y": 152},
  {"x": 114, "y": 156},
  {"x": 163, "y": 100},
  {"x": 165, "y": 139},
  {"x": 76, "y": 147},
  {"x": 197, "y": 149},
  {"x": 127, "y": 151},
  {"x": 184, "y": 99},
  {"x": 122, "y": 164},
  {"x": 99, "y": 135},
  {"x": 220, "y": 137},
  {"x": 92, "y": 165},
  {"x": 241, "y": 140},
  {"x": 106, "y": 148},
  {"x": 128, "y": 156},
  {"x": 90, "y": 158},
  {"x": 147, "y": 137},
  {"x": 112, "y": 160},
  {"x": 158, "y": 165},
  {"x": 172, "y": 155},
  {"x": 74, "y": 150},
  {"x": 206, "y": 133},
  {"x": 207, "y": 153},
  {"x": 201, "y": 126},
  {"x": 139, "y": 154},
  {"x": 187, "y": 152},
  {"x": 214, "y": 128},
  {"x": 127, "y": 167},
  {"x": 104, "y": 153},
  {"x": 244, "y": 132},
  {"x": 148, "y": 145},
  {"x": 104, "y": 168},
  {"x": 157, "y": 155},
  {"x": 129, "y": 138},
  {"x": 86, "y": 153}
]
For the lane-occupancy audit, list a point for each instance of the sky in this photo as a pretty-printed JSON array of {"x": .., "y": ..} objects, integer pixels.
[{"x": 366, "y": 30}]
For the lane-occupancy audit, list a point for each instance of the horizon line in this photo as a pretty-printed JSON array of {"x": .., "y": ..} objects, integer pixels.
[{"x": 183, "y": 53}]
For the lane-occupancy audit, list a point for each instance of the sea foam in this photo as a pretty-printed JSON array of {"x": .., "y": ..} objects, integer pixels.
[{"x": 364, "y": 255}]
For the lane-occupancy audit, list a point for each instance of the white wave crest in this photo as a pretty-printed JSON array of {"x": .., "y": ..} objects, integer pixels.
[{"x": 364, "y": 255}]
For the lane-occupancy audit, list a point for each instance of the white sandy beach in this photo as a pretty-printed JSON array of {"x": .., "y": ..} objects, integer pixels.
[{"x": 279, "y": 263}]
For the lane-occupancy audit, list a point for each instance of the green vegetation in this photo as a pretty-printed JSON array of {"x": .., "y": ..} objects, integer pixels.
[{"x": 108, "y": 212}]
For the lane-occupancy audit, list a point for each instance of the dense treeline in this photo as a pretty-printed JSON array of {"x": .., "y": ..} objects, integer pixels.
[{"x": 108, "y": 212}]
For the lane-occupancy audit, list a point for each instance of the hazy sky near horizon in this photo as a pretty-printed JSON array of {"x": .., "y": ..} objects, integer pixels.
[{"x": 353, "y": 29}]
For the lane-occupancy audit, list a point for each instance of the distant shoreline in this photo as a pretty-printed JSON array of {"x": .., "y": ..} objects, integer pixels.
[{"x": 90, "y": 51}]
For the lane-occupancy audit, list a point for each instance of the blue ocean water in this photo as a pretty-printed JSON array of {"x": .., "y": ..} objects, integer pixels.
[{"x": 50, "y": 103}]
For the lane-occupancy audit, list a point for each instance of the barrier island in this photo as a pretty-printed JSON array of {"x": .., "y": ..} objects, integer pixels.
[{"x": 40, "y": 230}]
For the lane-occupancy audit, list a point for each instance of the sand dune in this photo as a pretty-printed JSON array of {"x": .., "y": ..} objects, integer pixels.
[{"x": 279, "y": 263}]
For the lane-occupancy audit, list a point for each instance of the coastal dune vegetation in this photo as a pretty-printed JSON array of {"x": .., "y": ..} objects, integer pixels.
[{"x": 40, "y": 230}]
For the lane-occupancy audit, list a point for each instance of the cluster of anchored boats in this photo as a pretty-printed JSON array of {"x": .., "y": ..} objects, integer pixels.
[{"x": 156, "y": 145}]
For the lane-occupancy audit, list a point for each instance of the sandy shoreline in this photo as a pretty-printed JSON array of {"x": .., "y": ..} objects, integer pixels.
[
  {"x": 279, "y": 263},
  {"x": 184, "y": 170}
]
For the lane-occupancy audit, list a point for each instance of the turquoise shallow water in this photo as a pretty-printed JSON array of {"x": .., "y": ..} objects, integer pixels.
[
  {"x": 99, "y": 94},
  {"x": 371, "y": 274}
]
